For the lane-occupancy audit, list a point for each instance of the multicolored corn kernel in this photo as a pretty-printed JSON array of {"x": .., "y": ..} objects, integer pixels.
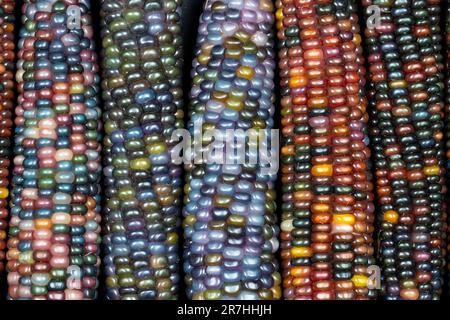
[
  {"x": 142, "y": 60},
  {"x": 53, "y": 247},
  {"x": 407, "y": 102},
  {"x": 6, "y": 109},
  {"x": 230, "y": 224},
  {"x": 327, "y": 210}
]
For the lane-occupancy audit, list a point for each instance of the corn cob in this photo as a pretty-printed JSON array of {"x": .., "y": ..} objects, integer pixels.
[
  {"x": 6, "y": 109},
  {"x": 406, "y": 99},
  {"x": 53, "y": 249},
  {"x": 447, "y": 131},
  {"x": 143, "y": 95},
  {"x": 327, "y": 213}
]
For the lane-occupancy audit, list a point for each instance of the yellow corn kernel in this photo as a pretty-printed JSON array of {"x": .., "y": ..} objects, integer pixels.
[
  {"x": 203, "y": 59},
  {"x": 279, "y": 24},
  {"x": 189, "y": 220},
  {"x": 360, "y": 281},
  {"x": 279, "y": 14},
  {"x": 301, "y": 252},
  {"x": 4, "y": 193},
  {"x": 236, "y": 105},
  {"x": 431, "y": 170},
  {"x": 344, "y": 218},
  {"x": 245, "y": 72},
  {"x": 298, "y": 81},
  {"x": 300, "y": 272},
  {"x": 322, "y": 170},
  {"x": 276, "y": 291},
  {"x": 391, "y": 216}
]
